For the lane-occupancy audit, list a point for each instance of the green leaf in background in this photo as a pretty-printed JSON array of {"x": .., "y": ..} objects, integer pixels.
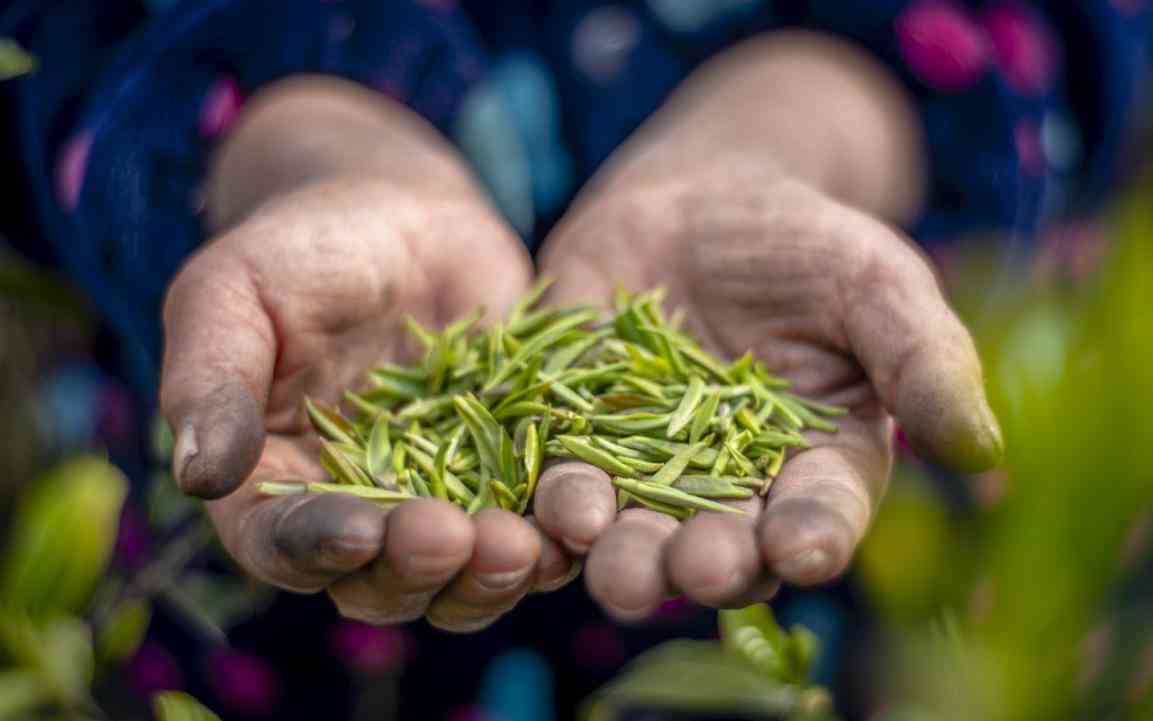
[
  {"x": 58, "y": 653},
  {"x": 14, "y": 60},
  {"x": 62, "y": 537},
  {"x": 38, "y": 289},
  {"x": 178, "y": 706},
  {"x": 699, "y": 677},
  {"x": 752, "y": 633},
  {"x": 167, "y": 506},
  {"x": 124, "y": 631},
  {"x": 21, "y": 691},
  {"x": 220, "y": 600}
]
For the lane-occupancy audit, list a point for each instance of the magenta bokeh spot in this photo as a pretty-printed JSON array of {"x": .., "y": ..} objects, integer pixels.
[
  {"x": 1030, "y": 150},
  {"x": 1023, "y": 49},
  {"x": 675, "y": 609},
  {"x": 598, "y": 645},
  {"x": 220, "y": 108},
  {"x": 468, "y": 713},
  {"x": 942, "y": 46},
  {"x": 439, "y": 5},
  {"x": 152, "y": 668},
  {"x": 244, "y": 682},
  {"x": 371, "y": 650},
  {"x": 133, "y": 538},
  {"x": 70, "y": 167},
  {"x": 115, "y": 418}
]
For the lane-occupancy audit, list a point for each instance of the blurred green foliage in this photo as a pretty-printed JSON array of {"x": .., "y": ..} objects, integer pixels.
[
  {"x": 994, "y": 616},
  {"x": 756, "y": 671},
  {"x": 61, "y": 538},
  {"x": 14, "y": 60},
  {"x": 176, "y": 706},
  {"x": 64, "y": 620}
]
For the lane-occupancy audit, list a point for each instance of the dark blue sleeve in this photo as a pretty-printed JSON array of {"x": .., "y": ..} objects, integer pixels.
[{"x": 116, "y": 157}]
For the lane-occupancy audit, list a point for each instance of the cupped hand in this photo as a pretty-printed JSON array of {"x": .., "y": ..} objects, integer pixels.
[
  {"x": 835, "y": 301},
  {"x": 300, "y": 300}
]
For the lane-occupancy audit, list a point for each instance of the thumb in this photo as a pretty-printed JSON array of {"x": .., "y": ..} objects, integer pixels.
[
  {"x": 921, "y": 358},
  {"x": 220, "y": 349}
]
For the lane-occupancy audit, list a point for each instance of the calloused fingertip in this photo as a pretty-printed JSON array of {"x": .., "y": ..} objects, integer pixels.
[
  {"x": 966, "y": 440},
  {"x": 712, "y": 559},
  {"x": 429, "y": 539},
  {"x": 218, "y": 442},
  {"x": 805, "y": 543},
  {"x": 575, "y": 504},
  {"x": 331, "y": 533}
]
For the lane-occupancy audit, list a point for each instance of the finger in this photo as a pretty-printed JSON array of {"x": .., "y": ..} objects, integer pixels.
[
  {"x": 574, "y": 503},
  {"x": 920, "y": 357},
  {"x": 625, "y": 569},
  {"x": 556, "y": 568},
  {"x": 218, "y": 360},
  {"x": 427, "y": 543},
  {"x": 714, "y": 560},
  {"x": 821, "y": 504},
  {"x": 500, "y": 573},
  {"x": 303, "y": 543}
]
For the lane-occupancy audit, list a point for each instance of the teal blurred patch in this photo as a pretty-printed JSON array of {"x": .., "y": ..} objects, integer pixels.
[
  {"x": 509, "y": 129},
  {"x": 518, "y": 686}
]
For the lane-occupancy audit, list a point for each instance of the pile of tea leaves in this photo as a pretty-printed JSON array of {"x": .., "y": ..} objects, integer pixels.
[{"x": 677, "y": 429}]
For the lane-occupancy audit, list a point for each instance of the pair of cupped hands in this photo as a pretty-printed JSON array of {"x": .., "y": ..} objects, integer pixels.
[{"x": 339, "y": 216}]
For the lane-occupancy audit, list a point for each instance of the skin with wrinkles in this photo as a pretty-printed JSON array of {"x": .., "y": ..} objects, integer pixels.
[{"x": 338, "y": 212}]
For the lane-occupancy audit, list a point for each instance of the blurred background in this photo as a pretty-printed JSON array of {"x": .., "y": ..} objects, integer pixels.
[{"x": 1024, "y": 593}]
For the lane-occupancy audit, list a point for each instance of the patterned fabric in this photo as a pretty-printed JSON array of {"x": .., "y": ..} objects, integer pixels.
[{"x": 1024, "y": 107}]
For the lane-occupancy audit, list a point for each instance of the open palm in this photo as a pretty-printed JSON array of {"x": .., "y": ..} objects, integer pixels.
[
  {"x": 829, "y": 298},
  {"x": 300, "y": 300}
]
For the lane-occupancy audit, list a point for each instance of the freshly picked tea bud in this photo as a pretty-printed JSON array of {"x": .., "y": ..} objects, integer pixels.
[{"x": 678, "y": 429}]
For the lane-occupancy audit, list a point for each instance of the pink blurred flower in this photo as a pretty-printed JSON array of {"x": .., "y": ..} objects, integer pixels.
[
  {"x": 133, "y": 539},
  {"x": 468, "y": 713},
  {"x": 598, "y": 645},
  {"x": 152, "y": 668},
  {"x": 942, "y": 45},
  {"x": 221, "y": 107},
  {"x": 1023, "y": 49},
  {"x": 71, "y": 165},
  {"x": 371, "y": 650},
  {"x": 675, "y": 609},
  {"x": 114, "y": 415},
  {"x": 244, "y": 683}
]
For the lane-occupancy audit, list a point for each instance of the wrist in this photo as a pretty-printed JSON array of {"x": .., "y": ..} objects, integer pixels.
[
  {"x": 791, "y": 106},
  {"x": 310, "y": 131}
]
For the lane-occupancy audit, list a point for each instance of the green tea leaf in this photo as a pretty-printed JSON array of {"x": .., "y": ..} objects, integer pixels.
[
  {"x": 378, "y": 452},
  {"x": 539, "y": 343},
  {"x": 676, "y": 465},
  {"x": 329, "y": 423},
  {"x": 585, "y": 451}
]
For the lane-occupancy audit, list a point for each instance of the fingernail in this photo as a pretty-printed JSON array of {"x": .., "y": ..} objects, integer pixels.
[
  {"x": 724, "y": 588},
  {"x": 807, "y": 566},
  {"x": 430, "y": 566},
  {"x": 183, "y": 453},
  {"x": 502, "y": 581},
  {"x": 585, "y": 524},
  {"x": 630, "y": 615}
]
